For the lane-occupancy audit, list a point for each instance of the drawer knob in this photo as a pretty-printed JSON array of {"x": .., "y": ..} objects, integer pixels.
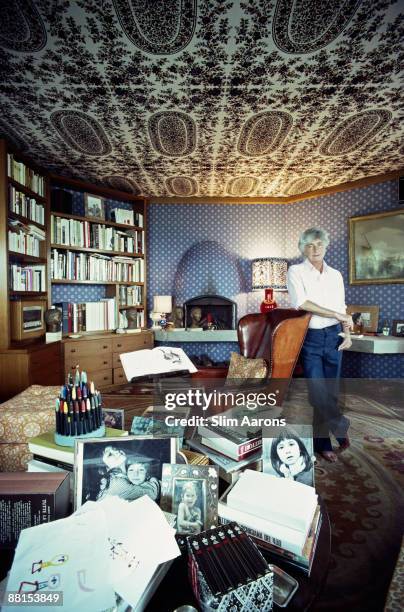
[
  {"x": 105, "y": 362},
  {"x": 105, "y": 346},
  {"x": 119, "y": 345},
  {"x": 72, "y": 350},
  {"x": 105, "y": 377}
]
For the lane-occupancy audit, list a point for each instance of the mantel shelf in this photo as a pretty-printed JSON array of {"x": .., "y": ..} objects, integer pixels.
[
  {"x": 379, "y": 345},
  {"x": 190, "y": 335}
]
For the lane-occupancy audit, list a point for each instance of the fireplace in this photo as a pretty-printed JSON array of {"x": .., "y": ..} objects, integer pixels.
[{"x": 215, "y": 312}]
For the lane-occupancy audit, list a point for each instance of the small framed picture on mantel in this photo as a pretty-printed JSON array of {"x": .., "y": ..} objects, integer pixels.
[{"x": 94, "y": 206}]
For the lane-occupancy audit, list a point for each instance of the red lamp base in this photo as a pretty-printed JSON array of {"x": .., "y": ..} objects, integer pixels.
[{"x": 269, "y": 303}]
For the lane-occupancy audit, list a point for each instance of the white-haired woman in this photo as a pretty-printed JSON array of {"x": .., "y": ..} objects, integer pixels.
[{"x": 317, "y": 288}]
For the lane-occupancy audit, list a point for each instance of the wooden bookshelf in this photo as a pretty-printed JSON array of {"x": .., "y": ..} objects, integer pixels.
[
  {"x": 63, "y": 247},
  {"x": 112, "y": 199},
  {"x": 124, "y": 226},
  {"x": 8, "y": 256}
]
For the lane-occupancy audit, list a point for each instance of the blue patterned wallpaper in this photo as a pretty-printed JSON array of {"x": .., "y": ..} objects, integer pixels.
[{"x": 198, "y": 248}]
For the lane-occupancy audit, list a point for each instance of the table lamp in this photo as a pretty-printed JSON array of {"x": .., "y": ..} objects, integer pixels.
[
  {"x": 162, "y": 306},
  {"x": 269, "y": 273}
]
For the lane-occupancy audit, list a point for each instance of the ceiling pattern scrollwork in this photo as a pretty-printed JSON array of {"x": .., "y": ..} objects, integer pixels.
[{"x": 265, "y": 98}]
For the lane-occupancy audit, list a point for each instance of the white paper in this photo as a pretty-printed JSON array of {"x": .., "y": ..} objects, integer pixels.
[
  {"x": 139, "y": 540},
  {"x": 69, "y": 555},
  {"x": 159, "y": 360}
]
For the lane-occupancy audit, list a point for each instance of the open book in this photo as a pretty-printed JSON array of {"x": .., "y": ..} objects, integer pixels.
[{"x": 160, "y": 360}]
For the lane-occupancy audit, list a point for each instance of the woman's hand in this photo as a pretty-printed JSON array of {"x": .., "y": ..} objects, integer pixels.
[
  {"x": 346, "y": 343},
  {"x": 345, "y": 319}
]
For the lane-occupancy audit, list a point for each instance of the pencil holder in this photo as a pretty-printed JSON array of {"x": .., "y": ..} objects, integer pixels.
[
  {"x": 228, "y": 572},
  {"x": 78, "y": 411}
]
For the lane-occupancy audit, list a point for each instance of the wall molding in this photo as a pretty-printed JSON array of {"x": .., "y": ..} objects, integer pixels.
[{"x": 360, "y": 183}]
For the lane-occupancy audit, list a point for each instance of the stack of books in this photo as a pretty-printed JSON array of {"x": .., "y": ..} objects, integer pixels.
[
  {"x": 281, "y": 515},
  {"x": 238, "y": 443},
  {"x": 88, "y": 316}
]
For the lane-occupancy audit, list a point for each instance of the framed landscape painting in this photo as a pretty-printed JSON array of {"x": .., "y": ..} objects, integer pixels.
[{"x": 375, "y": 248}]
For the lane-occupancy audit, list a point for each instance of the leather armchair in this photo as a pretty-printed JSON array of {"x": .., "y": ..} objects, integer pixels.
[{"x": 276, "y": 336}]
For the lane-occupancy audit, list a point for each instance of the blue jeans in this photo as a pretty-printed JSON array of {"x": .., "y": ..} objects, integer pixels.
[{"x": 322, "y": 368}]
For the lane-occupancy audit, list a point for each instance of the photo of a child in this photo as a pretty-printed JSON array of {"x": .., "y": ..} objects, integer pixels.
[
  {"x": 125, "y": 467},
  {"x": 290, "y": 455},
  {"x": 189, "y": 514}
]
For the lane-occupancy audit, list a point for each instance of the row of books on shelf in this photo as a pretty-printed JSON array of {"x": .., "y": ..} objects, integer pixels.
[
  {"x": 68, "y": 265},
  {"x": 24, "y": 205},
  {"x": 85, "y": 234},
  {"x": 130, "y": 296},
  {"x": 24, "y": 238},
  {"x": 88, "y": 316},
  {"x": 19, "y": 172},
  {"x": 126, "y": 217},
  {"x": 27, "y": 278}
]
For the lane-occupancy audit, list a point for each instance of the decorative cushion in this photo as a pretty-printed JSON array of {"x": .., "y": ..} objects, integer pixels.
[
  {"x": 24, "y": 416},
  {"x": 246, "y": 371}
]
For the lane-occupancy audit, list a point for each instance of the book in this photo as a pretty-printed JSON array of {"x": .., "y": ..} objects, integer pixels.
[
  {"x": 234, "y": 450},
  {"x": 280, "y": 500},
  {"x": 264, "y": 529},
  {"x": 229, "y": 469},
  {"x": 44, "y": 445},
  {"x": 160, "y": 360},
  {"x": 29, "y": 499}
]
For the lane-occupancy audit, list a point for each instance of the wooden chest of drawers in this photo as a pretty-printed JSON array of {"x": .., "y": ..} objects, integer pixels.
[
  {"x": 99, "y": 355},
  {"x": 33, "y": 364}
]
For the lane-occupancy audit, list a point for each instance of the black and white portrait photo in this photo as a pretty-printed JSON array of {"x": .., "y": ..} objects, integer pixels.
[
  {"x": 290, "y": 454},
  {"x": 190, "y": 493},
  {"x": 126, "y": 467}
]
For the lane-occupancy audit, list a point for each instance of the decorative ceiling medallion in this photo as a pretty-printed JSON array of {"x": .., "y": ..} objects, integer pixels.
[
  {"x": 159, "y": 28},
  {"x": 184, "y": 186},
  {"x": 304, "y": 26},
  {"x": 122, "y": 183},
  {"x": 22, "y": 28},
  {"x": 354, "y": 132},
  {"x": 172, "y": 133},
  {"x": 263, "y": 133},
  {"x": 304, "y": 184},
  {"x": 81, "y": 132},
  {"x": 12, "y": 136},
  {"x": 242, "y": 185}
]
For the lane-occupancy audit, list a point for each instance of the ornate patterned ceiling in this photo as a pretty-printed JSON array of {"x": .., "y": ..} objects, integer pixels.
[{"x": 205, "y": 98}]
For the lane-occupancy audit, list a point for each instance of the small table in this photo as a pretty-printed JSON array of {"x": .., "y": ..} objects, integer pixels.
[{"x": 175, "y": 589}]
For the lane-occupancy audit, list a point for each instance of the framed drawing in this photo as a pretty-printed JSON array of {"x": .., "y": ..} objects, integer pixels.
[
  {"x": 375, "y": 248},
  {"x": 94, "y": 206},
  {"x": 290, "y": 454},
  {"x": 127, "y": 467},
  {"x": 365, "y": 318},
  {"x": 114, "y": 418},
  {"x": 190, "y": 492}
]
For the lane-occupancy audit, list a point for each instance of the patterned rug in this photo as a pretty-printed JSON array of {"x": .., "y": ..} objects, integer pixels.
[{"x": 363, "y": 492}]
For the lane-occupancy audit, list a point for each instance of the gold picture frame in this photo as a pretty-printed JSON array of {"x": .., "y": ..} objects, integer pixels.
[
  {"x": 375, "y": 248},
  {"x": 365, "y": 317}
]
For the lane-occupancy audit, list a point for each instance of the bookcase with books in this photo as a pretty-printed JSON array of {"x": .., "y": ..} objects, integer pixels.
[
  {"x": 23, "y": 246},
  {"x": 96, "y": 256}
]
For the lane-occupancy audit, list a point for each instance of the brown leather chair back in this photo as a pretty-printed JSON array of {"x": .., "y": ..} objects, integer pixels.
[{"x": 276, "y": 336}]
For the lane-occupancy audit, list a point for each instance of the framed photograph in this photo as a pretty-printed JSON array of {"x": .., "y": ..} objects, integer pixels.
[
  {"x": 375, "y": 248},
  {"x": 190, "y": 492},
  {"x": 127, "y": 467},
  {"x": 398, "y": 328},
  {"x": 290, "y": 454},
  {"x": 94, "y": 206},
  {"x": 365, "y": 318},
  {"x": 114, "y": 418}
]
